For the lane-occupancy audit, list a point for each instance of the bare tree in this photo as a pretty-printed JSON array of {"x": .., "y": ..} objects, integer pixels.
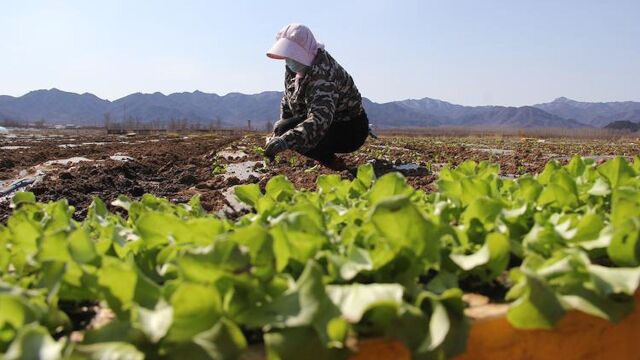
[{"x": 107, "y": 120}]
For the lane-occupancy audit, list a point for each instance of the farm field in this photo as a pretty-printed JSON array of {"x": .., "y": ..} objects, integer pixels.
[
  {"x": 79, "y": 165},
  {"x": 201, "y": 248}
]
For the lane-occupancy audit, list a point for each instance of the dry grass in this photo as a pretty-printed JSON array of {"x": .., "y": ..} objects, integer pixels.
[{"x": 581, "y": 133}]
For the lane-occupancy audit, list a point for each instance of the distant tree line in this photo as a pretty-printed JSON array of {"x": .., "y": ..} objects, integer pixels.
[
  {"x": 23, "y": 124},
  {"x": 137, "y": 124},
  {"x": 173, "y": 124}
]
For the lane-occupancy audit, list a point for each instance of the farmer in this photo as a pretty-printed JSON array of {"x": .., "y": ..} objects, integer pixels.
[{"x": 321, "y": 111}]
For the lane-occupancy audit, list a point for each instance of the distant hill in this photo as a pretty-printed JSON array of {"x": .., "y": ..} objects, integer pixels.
[
  {"x": 631, "y": 115},
  {"x": 593, "y": 113},
  {"x": 431, "y": 112},
  {"x": 55, "y": 106},
  {"x": 392, "y": 114},
  {"x": 522, "y": 117},
  {"x": 435, "y": 107},
  {"x": 234, "y": 109},
  {"x": 623, "y": 125}
]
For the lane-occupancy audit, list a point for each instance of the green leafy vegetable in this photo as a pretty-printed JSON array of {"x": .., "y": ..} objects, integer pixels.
[{"x": 309, "y": 272}]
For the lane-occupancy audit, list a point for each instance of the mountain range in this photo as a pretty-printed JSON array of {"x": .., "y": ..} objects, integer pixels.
[{"x": 234, "y": 109}]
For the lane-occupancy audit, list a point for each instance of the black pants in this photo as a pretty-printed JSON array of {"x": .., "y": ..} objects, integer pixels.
[{"x": 341, "y": 137}]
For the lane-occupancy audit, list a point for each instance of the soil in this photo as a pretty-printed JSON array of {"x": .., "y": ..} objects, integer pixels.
[
  {"x": 168, "y": 166},
  {"x": 179, "y": 166}
]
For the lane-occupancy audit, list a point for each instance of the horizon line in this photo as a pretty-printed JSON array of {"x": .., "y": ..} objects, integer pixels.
[{"x": 280, "y": 91}]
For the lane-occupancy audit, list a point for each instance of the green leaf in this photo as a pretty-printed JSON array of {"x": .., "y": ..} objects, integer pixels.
[
  {"x": 354, "y": 300},
  {"x": 576, "y": 166},
  {"x": 34, "y": 342},
  {"x": 599, "y": 188},
  {"x": 115, "y": 331},
  {"x": 473, "y": 189},
  {"x": 616, "y": 280},
  {"x": 484, "y": 209},
  {"x": 617, "y": 171},
  {"x": 398, "y": 220},
  {"x": 117, "y": 281},
  {"x": 54, "y": 247},
  {"x": 155, "y": 323},
  {"x": 550, "y": 169},
  {"x": 196, "y": 308},
  {"x": 528, "y": 189},
  {"x": 24, "y": 233},
  {"x": 537, "y": 308},
  {"x": 468, "y": 262},
  {"x": 358, "y": 260},
  {"x": 59, "y": 217},
  {"x": 109, "y": 351},
  {"x": 561, "y": 191},
  {"x": 298, "y": 235},
  {"x": 248, "y": 194},
  {"x": 366, "y": 175},
  {"x": 202, "y": 231},
  {"x": 122, "y": 202},
  {"x": 81, "y": 248},
  {"x": 338, "y": 329},
  {"x": 279, "y": 188},
  {"x": 588, "y": 227},
  {"x": 52, "y": 274},
  {"x": 147, "y": 293},
  {"x": 593, "y": 304},
  {"x": 387, "y": 186},
  {"x": 442, "y": 282},
  {"x": 624, "y": 249},
  {"x": 499, "y": 254},
  {"x": 291, "y": 343},
  {"x": 439, "y": 326},
  {"x": 15, "y": 311},
  {"x": 328, "y": 183},
  {"x": 21, "y": 198},
  {"x": 622, "y": 208},
  {"x": 305, "y": 304},
  {"x": 223, "y": 341},
  {"x": 514, "y": 213},
  {"x": 160, "y": 228}
]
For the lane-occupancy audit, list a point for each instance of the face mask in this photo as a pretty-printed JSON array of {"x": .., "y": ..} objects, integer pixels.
[{"x": 295, "y": 66}]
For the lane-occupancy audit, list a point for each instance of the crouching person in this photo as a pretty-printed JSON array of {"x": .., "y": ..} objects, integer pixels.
[{"x": 321, "y": 112}]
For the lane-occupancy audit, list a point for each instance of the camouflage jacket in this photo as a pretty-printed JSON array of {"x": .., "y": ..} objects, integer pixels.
[{"x": 325, "y": 94}]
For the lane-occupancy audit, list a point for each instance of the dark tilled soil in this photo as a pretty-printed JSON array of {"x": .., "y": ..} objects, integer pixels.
[
  {"x": 180, "y": 166},
  {"x": 170, "y": 168}
]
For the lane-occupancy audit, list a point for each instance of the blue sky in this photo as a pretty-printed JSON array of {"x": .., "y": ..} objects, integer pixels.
[{"x": 470, "y": 52}]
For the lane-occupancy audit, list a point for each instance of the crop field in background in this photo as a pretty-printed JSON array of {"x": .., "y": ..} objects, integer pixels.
[
  {"x": 229, "y": 255},
  {"x": 78, "y": 165}
]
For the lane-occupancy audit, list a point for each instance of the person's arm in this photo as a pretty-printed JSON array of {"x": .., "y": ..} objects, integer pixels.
[
  {"x": 320, "y": 98},
  {"x": 287, "y": 120},
  {"x": 285, "y": 110}
]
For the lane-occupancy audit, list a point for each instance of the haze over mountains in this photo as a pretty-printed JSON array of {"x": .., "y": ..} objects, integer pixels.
[{"x": 234, "y": 109}]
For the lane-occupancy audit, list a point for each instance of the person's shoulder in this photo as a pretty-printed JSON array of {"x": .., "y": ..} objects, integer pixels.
[
  {"x": 324, "y": 67},
  {"x": 326, "y": 60}
]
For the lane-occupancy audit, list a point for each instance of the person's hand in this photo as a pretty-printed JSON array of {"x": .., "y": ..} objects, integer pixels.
[
  {"x": 274, "y": 146},
  {"x": 279, "y": 127}
]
